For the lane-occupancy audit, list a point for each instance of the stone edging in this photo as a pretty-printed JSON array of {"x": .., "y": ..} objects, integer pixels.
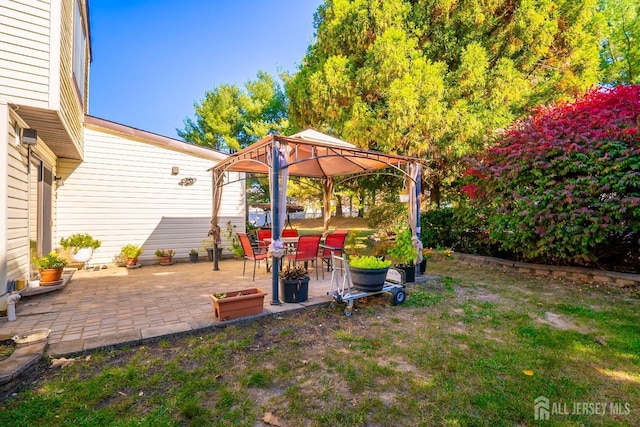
[{"x": 620, "y": 280}]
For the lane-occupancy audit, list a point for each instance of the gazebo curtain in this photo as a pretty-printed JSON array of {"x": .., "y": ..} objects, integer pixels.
[
  {"x": 277, "y": 248},
  {"x": 214, "y": 231},
  {"x": 414, "y": 201}
]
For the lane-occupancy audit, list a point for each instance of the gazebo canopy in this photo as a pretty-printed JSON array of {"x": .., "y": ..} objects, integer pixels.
[{"x": 309, "y": 154}]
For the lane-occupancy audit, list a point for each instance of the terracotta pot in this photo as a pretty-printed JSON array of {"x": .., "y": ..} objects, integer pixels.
[
  {"x": 131, "y": 262},
  {"x": 49, "y": 275},
  {"x": 166, "y": 260},
  {"x": 238, "y": 303}
]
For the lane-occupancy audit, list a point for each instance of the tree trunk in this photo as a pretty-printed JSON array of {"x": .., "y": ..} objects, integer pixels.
[
  {"x": 338, "y": 206},
  {"x": 435, "y": 195}
]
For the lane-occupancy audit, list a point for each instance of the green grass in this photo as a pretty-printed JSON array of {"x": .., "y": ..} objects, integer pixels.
[{"x": 459, "y": 352}]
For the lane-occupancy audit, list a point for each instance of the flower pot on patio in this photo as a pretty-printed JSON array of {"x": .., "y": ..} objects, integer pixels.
[
  {"x": 294, "y": 290},
  {"x": 210, "y": 253},
  {"x": 240, "y": 303}
]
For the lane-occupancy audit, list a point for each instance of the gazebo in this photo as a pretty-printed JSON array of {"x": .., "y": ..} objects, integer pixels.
[{"x": 310, "y": 154}]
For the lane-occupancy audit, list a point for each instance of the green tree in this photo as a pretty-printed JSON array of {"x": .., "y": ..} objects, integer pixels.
[
  {"x": 437, "y": 78},
  {"x": 621, "y": 48},
  {"x": 229, "y": 118}
]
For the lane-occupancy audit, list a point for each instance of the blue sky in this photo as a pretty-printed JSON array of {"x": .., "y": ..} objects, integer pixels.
[{"x": 152, "y": 59}]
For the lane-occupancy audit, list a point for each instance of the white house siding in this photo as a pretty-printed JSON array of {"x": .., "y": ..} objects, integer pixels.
[
  {"x": 18, "y": 200},
  {"x": 124, "y": 192},
  {"x": 24, "y": 51}
]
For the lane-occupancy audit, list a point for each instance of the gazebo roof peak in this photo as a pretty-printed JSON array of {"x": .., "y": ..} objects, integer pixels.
[{"x": 313, "y": 135}]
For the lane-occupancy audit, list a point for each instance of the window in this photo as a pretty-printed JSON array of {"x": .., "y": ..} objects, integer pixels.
[{"x": 79, "y": 49}]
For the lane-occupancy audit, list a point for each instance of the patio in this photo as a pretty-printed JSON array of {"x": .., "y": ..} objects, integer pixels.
[{"x": 118, "y": 305}]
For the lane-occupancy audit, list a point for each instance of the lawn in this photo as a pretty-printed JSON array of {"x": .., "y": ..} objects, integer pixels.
[{"x": 476, "y": 347}]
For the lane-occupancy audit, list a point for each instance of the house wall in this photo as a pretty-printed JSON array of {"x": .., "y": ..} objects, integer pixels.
[
  {"x": 15, "y": 183},
  {"x": 124, "y": 192},
  {"x": 72, "y": 106},
  {"x": 24, "y": 52}
]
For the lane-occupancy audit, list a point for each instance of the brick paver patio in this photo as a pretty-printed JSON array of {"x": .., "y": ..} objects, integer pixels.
[{"x": 118, "y": 305}]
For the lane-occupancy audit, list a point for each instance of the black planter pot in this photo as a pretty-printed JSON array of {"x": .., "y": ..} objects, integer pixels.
[
  {"x": 210, "y": 253},
  {"x": 368, "y": 279},
  {"x": 409, "y": 272},
  {"x": 423, "y": 266},
  {"x": 194, "y": 258},
  {"x": 294, "y": 290}
]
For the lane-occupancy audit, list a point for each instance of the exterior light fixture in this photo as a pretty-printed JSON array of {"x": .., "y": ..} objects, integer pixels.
[
  {"x": 175, "y": 170},
  {"x": 29, "y": 137}
]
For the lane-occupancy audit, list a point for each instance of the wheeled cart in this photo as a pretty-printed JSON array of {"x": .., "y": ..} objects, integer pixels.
[{"x": 342, "y": 289}]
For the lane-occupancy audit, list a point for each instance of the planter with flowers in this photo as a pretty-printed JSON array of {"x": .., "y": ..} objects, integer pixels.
[
  {"x": 50, "y": 267},
  {"x": 234, "y": 304},
  {"x": 368, "y": 273},
  {"x": 80, "y": 246},
  {"x": 294, "y": 284},
  {"x": 166, "y": 256},
  {"x": 130, "y": 254},
  {"x": 193, "y": 255}
]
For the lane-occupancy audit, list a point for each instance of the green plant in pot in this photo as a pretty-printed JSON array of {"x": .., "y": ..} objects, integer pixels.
[
  {"x": 193, "y": 255},
  {"x": 166, "y": 255},
  {"x": 294, "y": 284},
  {"x": 50, "y": 267},
  {"x": 80, "y": 246},
  {"x": 368, "y": 273},
  {"x": 404, "y": 254},
  {"x": 130, "y": 253}
]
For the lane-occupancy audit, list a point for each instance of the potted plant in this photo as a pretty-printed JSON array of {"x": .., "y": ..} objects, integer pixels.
[
  {"x": 234, "y": 304},
  {"x": 207, "y": 245},
  {"x": 193, "y": 255},
  {"x": 294, "y": 284},
  {"x": 368, "y": 273},
  {"x": 404, "y": 254},
  {"x": 130, "y": 253},
  {"x": 236, "y": 247},
  {"x": 166, "y": 256},
  {"x": 50, "y": 267},
  {"x": 426, "y": 254},
  {"x": 80, "y": 245}
]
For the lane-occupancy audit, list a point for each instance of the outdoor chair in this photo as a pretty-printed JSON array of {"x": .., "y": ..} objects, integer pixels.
[
  {"x": 307, "y": 250},
  {"x": 289, "y": 232},
  {"x": 333, "y": 245},
  {"x": 249, "y": 253},
  {"x": 263, "y": 233}
]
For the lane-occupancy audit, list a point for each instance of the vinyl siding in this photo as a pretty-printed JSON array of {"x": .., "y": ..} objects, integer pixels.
[
  {"x": 24, "y": 52},
  {"x": 124, "y": 192},
  {"x": 72, "y": 108}
]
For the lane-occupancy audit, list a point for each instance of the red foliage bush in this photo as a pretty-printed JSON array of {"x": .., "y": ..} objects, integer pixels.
[{"x": 563, "y": 186}]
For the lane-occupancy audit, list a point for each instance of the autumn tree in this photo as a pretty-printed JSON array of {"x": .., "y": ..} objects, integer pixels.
[
  {"x": 621, "y": 47},
  {"x": 436, "y": 78},
  {"x": 230, "y": 118}
]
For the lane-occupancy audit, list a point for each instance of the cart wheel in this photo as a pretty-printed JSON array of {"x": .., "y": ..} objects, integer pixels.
[
  {"x": 348, "y": 312},
  {"x": 398, "y": 297},
  {"x": 332, "y": 305}
]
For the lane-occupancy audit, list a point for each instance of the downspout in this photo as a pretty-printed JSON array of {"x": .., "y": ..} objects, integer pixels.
[{"x": 4, "y": 209}]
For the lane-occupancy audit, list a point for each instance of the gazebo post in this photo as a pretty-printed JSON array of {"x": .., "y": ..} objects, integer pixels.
[
  {"x": 275, "y": 221},
  {"x": 418, "y": 192}
]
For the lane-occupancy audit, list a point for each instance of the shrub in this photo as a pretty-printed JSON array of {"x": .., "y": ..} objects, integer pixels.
[
  {"x": 437, "y": 228},
  {"x": 564, "y": 185},
  {"x": 78, "y": 241}
]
